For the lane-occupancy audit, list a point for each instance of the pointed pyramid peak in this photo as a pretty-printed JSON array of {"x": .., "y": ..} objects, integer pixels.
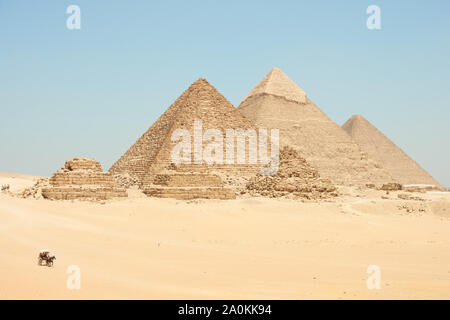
[
  {"x": 278, "y": 84},
  {"x": 354, "y": 121},
  {"x": 199, "y": 83},
  {"x": 201, "y": 90},
  {"x": 276, "y": 70},
  {"x": 358, "y": 117}
]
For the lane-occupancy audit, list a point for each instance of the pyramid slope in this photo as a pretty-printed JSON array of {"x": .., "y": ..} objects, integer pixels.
[
  {"x": 401, "y": 167},
  {"x": 322, "y": 142},
  {"x": 152, "y": 152},
  {"x": 278, "y": 84}
]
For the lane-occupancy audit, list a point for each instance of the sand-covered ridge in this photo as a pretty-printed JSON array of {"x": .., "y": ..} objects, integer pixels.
[{"x": 253, "y": 248}]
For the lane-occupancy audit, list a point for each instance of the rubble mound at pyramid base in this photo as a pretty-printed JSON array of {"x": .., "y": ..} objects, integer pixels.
[
  {"x": 125, "y": 180},
  {"x": 188, "y": 186},
  {"x": 295, "y": 178},
  {"x": 35, "y": 191},
  {"x": 82, "y": 178}
]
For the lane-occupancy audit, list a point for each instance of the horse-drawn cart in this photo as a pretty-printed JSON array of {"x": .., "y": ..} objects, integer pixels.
[{"x": 45, "y": 258}]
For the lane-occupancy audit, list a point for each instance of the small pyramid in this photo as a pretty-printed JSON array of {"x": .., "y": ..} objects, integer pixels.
[
  {"x": 82, "y": 178},
  {"x": 151, "y": 154},
  {"x": 400, "y": 166},
  {"x": 277, "y": 102}
]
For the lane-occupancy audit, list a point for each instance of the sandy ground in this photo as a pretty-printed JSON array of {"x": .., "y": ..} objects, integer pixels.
[{"x": 145, "y": 248}]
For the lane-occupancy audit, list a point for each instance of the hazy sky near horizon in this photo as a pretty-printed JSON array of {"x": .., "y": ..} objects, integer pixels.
[{"x": 93, "y": 92}]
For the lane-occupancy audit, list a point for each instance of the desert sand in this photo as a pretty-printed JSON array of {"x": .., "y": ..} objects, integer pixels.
[{"x": 248, "y": 248}]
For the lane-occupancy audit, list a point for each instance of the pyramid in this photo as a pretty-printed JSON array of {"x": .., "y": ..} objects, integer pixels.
[
  {"x": 401, "y": 167},
  {"x": 82, "y": 178},
  {"x": 277, "y": 102},
  {"x": 150, "y": 156}
]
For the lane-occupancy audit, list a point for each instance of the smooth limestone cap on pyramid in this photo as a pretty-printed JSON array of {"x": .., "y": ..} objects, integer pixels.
[
  {"x": 401, "y": 167},
  {"x": 151, "y": 154},
  {"x": 278, "y": 84},
  {"x": 277, "y": 102}
]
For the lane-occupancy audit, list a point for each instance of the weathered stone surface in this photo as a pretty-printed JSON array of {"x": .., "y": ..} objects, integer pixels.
[
  {"x": 36, "y": 190},
  {"x": 82, "y": 164},
  {"x": 73, "y": 193},
  {"x": 188, "y": 180},
  {"x": 187, "y": 186},
  {"x": 190, "y": 193},
  {"x": 391, "y": 187},
  {"x": 124, "y": 180},
  {"x": 81, "y": 179},
  {"x": 422, "y": 188},
  {"x": 405, "y": 196}
]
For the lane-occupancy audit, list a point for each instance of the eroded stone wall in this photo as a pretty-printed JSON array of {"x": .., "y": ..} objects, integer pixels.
[{"x": 82, "y": 178}]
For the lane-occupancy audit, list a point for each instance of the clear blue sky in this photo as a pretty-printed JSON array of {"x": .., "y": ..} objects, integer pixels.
[{"x": 93, "y": 92}]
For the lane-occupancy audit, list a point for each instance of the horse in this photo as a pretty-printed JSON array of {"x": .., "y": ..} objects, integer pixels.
[{"x": 50, "y": 261}]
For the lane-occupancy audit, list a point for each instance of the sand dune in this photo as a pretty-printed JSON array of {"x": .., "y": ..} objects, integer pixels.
[
  {"x": 258, "y": 248},
  {"x": 17, "y": 181}
]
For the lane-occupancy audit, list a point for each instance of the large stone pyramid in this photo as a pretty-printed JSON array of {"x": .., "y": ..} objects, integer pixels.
[
  {"x": 151, "y": 154},
  {"x": 277, "y": 102},
  {"x": 401, "y": 167}
]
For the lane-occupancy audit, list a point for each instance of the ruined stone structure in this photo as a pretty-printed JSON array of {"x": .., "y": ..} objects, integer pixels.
[
  {"x": 277, "y": 102},
  {"x": 399, "y": 165},
  {"x": 187, "y": 186},
  {"x": 295, "y": 178},
  {"x": 150, "y": 156},
  {"x": 82, "y": 179}
]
